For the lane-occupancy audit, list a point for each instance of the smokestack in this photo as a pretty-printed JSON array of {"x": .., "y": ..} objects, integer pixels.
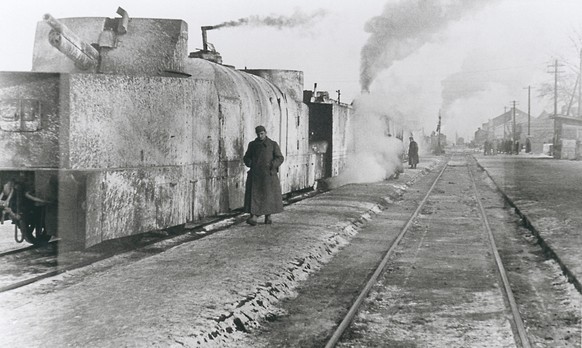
[
  {"x": 207, "y": 52},
  {"x": 204, "y": 37}
]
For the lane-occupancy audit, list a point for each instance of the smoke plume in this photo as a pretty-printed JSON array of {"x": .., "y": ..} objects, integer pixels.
[
  {"x": 298, "y": 18},
  {"x": 402, "y": 29},
  {"x": 474, "y": 91}
]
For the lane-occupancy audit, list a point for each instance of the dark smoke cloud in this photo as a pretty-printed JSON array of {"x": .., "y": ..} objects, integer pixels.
[
  {"x": 403, "y": 28},
  {"x": 298, "y": 18}
]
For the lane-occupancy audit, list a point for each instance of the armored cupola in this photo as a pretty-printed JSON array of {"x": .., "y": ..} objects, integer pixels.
[{"x": 122, "y": 45}]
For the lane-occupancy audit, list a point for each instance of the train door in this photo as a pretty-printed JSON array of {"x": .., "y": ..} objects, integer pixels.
[{"x": 231, "y": 146}]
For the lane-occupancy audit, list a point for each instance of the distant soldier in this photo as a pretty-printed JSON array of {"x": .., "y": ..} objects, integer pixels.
[
  {"x": 412, "y": 153},
  {"x": 263, "y": 189},
  {"x": 508, "y": 147},
  {"x": 517, "y": 147}
]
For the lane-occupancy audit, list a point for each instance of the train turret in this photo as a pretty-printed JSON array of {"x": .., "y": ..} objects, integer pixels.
[{"x": 122, "y": 45}]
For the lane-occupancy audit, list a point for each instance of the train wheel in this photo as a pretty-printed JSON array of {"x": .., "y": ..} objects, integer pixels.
[{"x": 33, "y": 229}]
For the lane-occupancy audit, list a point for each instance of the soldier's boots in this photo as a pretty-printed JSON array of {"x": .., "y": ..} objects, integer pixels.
[{"x": 252, "y": 220}]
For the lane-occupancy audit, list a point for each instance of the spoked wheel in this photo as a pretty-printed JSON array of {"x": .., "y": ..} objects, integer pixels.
[{"x": 32, "y": 226}]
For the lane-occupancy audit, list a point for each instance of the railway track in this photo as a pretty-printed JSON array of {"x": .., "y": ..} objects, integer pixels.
[
  {"x": 18, "y": 250},
  {"x": 422, "y": 273},
  {"x": 456, "y": 171}
]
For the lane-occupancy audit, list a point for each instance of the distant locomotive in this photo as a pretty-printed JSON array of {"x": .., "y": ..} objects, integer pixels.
[{"x": 117, "y": 131}]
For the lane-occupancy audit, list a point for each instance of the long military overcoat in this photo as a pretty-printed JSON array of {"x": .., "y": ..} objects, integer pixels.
[
  {"x": 263, "y": 189},
  {"x": 413, "y": 153}
]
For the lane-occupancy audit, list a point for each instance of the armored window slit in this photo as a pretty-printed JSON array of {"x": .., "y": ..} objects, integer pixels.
[{"x": 20, "y": 115}]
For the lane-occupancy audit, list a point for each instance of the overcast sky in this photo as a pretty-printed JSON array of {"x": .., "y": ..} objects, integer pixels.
[{"x": 469, "y": 59}]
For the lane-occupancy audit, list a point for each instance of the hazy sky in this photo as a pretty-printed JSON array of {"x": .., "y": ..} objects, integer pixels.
[{"x": 467, "y": 58}]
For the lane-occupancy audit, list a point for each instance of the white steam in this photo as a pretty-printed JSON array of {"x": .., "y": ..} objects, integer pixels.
[{"x": 376, "y": 155}]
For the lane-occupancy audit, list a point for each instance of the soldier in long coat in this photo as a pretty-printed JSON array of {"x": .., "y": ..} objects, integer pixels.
[
  {"x": 412, "y": 153},
  {"x": 263, "y": 189}
]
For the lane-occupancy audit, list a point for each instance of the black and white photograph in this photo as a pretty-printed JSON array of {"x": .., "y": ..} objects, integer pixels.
[{"x": 294, "y": 174}]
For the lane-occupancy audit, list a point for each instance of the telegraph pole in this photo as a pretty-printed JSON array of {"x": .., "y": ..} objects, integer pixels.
[
  {"x": 573, "y": 95},
  {"x": 513, "y": 128},
  {"x": 504, "y": 123},
  {"x": 528, "y": 141},
  {"x": 439, "y": 135},
  {"x": 556, "y": 88},
  {"x": 555, "y": 137},
  {"x": 580, "y": 87},
  {"x": 528, "y": 109},
  {"x": 514, "y": 139},
  {"x": 555, "y": 72}
]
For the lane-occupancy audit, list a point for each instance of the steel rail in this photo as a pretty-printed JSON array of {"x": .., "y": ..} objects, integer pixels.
[
  {"x": 26, "y": 248},
  {"x": 373, "y": 279},
  {"x": 518, "y": 321},
  {"x": 17, "y": 251}
]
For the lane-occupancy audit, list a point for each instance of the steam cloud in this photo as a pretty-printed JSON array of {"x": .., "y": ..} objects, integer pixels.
[
  {"x": 457, "y": 86},
  {"x": 376, "y": 155},
  {"x": 476, "y": 74},
  {"x": 403, "y": 28},
  {"x": 298, "y": 18}
]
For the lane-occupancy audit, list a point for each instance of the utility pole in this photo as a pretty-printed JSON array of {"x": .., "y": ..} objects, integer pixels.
[
  {"x": 556, "y": 140},
  {"x": 556, "y": 88},
  {"x": 514, "y": 139},
  {"x": 580, "y": 87},
  {"x": 438, "y": 150},
  {"x": 528, "y": 109},
  {"x": 504, "y": 123},
  {"x": 555, "y": 72},
  {"x": 573, "y": 95},
  {"x": 528, "y": 140}
]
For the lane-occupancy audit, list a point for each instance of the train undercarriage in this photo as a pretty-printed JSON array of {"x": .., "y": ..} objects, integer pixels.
[{"x": 25, "y": 209}]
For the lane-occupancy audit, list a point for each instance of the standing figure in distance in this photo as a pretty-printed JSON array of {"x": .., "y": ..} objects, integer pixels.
[
  {"x": 412, "y": 153},
  {"x": 263, "y": 189}
]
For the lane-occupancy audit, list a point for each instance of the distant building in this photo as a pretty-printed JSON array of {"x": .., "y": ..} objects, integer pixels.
[
  {"x": 560, "y": 135},
  {"x": 567, "y": 137},
  {"x": 480, "y": 136},
  {"x": 541, "y": 132},
  {"x": 501, "y": 127}
]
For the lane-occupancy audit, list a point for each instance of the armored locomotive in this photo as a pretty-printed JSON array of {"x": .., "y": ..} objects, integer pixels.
[{"x": 118, "y": 130}]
